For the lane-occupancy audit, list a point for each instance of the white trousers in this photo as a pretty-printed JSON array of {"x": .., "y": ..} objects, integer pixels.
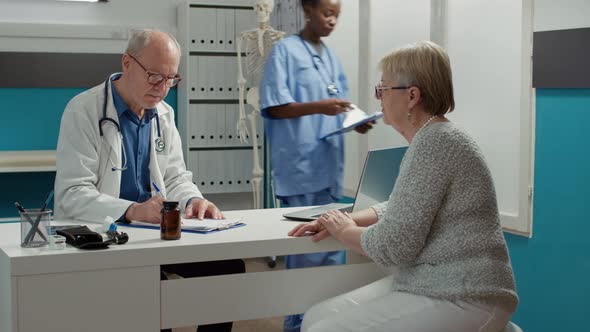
[{"x": 375, "y": 307}]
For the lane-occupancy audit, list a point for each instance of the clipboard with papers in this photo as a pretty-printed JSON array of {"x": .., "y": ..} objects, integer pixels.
[
  {"x": 192, "y": 225},
  {"x": 354, "y": 118}
]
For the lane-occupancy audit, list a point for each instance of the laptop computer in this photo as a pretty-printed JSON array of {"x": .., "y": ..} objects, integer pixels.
[{"x": 376, "y": 183}]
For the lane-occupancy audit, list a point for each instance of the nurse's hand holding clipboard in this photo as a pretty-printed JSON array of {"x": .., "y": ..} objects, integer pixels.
[
  {"x": 364, "y": 127},
  {"x": 336, "y": 106}
]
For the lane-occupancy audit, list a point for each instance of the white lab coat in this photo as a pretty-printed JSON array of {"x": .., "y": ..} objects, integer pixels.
[{"x": 86, "y": 187}]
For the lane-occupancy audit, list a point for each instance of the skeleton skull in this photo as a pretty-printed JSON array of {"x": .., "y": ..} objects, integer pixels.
[{"x": 263, "y": 9}]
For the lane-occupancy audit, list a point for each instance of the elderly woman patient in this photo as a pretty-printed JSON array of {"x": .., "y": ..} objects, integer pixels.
[{"x": 440, "y": 227}]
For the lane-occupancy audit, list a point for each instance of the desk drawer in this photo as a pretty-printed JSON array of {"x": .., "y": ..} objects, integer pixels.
[
  {"x": 90, "y": 301},
  {"x": 257, "y": 295}
]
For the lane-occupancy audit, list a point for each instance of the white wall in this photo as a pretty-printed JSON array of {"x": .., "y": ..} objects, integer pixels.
[
  {"x": 88, "y": 19},
  {"x": 94, "y": 27},
  {"x": 344, "y": 40},
  {"x": 392, "y": 23},
  {"x": 563, "y": 14},
  {"x": 133, "y": 12},
  {"x": 367, "y": 30},
  {"x": 487, "y": 80}
]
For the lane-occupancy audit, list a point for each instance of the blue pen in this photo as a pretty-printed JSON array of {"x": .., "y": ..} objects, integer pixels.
[{"x": 157, "y": 189}]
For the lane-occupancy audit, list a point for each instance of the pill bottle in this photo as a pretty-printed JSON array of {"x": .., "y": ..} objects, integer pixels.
[{"x": 170, "y": 223}]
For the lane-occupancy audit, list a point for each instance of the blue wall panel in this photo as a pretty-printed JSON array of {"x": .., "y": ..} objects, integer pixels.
[
  {"x": 33, "y": 116},
  {"x": 553, "y": 268}
]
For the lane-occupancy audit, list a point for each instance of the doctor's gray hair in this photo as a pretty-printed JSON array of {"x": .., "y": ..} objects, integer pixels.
[{"x": 139, "y": 39}]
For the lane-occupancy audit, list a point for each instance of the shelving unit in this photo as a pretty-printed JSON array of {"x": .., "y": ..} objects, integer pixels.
[{"x": 208, "y": 94}]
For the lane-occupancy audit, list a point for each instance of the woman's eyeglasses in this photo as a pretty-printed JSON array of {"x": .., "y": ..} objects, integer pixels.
[
  {"x": 155, "y": 78},
  {"x": 379, "y": 90}
]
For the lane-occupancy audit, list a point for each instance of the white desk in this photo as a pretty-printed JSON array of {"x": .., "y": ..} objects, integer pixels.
[{"x": 42, "y": 289}]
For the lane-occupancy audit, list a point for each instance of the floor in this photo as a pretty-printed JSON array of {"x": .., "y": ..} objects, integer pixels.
[{"x": 274, "y": 324}]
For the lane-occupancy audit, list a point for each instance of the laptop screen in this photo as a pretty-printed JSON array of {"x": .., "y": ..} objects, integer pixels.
[{"x": 378, "y": 177}]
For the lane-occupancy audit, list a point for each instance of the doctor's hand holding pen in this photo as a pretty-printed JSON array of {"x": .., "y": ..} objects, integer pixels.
[{"x": 148, "y": 211}]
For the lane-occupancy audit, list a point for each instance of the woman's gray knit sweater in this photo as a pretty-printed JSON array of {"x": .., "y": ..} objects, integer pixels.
[{"x": 441, "y": 225}]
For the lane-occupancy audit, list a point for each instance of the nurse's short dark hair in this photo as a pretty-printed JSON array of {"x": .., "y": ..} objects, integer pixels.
[{"x": 313, "y": 3}]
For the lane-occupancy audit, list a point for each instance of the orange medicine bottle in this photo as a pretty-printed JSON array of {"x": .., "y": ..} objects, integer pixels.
[{"x": 170, "y": 226}]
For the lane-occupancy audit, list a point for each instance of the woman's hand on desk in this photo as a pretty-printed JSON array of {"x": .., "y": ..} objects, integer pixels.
[
  {"x": 311, "y": 227},
  {"x": 330, "y": 223},
  {"x": 342, "y": 227},
  {"x": 336, "y": 222},
  {"x": 148, "y": 211}
]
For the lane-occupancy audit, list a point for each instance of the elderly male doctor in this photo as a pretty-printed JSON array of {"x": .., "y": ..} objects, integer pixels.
[
  {"x": 119, "y": 137},
  {"x": 106, "y": 163}
]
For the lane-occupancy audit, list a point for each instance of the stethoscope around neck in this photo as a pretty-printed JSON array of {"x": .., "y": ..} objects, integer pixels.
[
  {"x": 159, "y": 144},
  {"x": 331, "y": 87}
]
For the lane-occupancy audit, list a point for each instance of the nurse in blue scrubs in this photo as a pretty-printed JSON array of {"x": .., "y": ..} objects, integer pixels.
[{"x": 303, "y": 94}]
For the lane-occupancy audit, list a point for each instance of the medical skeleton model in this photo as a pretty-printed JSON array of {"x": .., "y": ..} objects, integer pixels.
[{"x": 256, "y": 44}]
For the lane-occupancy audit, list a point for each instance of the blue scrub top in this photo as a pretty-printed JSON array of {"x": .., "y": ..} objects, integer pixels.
[
  {"x": 135, "y": 180},
  {"x": 301, "y": 162}
]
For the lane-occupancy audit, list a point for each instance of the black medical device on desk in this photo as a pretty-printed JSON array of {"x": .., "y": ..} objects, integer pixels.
[
  {"x": 117, "y": 237},
  {"x": 82, "y": 237}
]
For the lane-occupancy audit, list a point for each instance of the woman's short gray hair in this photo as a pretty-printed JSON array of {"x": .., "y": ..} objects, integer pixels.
[
  {"x": 427, "y": 66},
  {"x": 139, "y": 39}
]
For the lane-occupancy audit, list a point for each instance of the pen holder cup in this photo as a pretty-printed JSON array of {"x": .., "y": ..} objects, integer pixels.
[{"x": 34, "y": 228}]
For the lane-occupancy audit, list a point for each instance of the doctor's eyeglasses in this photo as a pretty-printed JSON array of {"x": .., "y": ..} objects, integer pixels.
[
  {"x": 155, "y": 78},
  {"x": 379, "y": 89}
]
